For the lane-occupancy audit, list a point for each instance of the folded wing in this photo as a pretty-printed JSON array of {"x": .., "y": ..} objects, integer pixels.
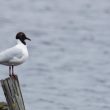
[{"x": 9, "y": 54}]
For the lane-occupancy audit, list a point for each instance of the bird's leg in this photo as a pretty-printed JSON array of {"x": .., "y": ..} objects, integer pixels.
[
  {"x": 10, "y": 71},
  {"x": 14, "y": 76}
]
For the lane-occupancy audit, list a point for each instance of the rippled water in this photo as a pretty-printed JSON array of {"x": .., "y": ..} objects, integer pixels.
[{"x": 69, "y": 64}]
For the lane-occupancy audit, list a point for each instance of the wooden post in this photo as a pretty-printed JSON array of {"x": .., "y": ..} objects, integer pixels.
[
  {"x": 3, "y": 106},
  {"x": 12, "y": 92}
]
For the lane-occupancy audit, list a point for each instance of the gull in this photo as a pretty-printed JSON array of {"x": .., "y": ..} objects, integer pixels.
[{"x": 15, "y": 55}]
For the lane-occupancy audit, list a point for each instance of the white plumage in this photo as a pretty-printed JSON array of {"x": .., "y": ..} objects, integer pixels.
[{"x": 16, "y": 55}]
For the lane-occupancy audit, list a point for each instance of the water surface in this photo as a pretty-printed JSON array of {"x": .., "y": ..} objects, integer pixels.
[{"x": 69, "y": 64}]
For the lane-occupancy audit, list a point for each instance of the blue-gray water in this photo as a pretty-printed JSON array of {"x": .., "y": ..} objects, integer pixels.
[{"x": 69, "y": 64}]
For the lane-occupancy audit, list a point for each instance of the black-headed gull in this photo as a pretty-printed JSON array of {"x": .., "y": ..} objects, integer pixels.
[{"x": 16, "y": 55}]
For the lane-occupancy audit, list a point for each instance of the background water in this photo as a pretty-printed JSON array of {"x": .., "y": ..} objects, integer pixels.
[{"x": 69, "y": 64}]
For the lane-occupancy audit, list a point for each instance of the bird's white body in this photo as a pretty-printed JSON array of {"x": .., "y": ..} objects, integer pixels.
[{"x": 15, "y": 55}]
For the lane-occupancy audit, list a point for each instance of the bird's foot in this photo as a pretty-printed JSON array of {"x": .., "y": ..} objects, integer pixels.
[{"x": 14, "y": 76}]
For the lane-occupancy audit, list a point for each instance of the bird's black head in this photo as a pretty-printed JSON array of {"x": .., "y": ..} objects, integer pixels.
[{"x": 22, "y": 37}]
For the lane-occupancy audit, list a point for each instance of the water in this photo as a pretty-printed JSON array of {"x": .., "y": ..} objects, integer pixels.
[{"x": 69, "y": 64}]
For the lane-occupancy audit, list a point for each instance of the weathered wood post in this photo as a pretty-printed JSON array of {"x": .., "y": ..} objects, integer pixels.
[
  {"x": 12, "y": 92},
  {"x": 3, "y": 106}
]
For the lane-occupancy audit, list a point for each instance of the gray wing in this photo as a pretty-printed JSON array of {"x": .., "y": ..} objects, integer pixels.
[{"x": 9, "y": 54}]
